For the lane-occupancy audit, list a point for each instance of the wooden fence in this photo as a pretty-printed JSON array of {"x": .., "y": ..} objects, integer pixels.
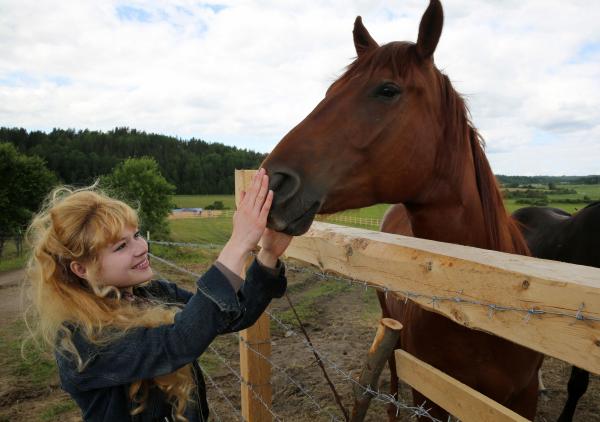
[
  {"x": 361, "y": 221},
  {"x": 437, "y": 269},
  {"x": 186, "y": 215}
]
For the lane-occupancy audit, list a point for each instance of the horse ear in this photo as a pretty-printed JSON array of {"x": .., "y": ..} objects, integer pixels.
[
  {"x": 430, "y": 30},
  {"x": 363, "y": 41}
]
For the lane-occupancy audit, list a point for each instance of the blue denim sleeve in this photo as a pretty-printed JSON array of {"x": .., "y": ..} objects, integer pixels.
[{"x": 144, "y": 353}]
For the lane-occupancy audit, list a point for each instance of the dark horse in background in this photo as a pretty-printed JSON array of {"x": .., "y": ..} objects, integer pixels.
[
  {"x": 552, "y": 233},
  {"x": 392, "y": 129}
]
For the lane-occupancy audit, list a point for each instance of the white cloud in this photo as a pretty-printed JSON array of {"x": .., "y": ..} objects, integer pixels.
[{"x": 248, "y": 72}]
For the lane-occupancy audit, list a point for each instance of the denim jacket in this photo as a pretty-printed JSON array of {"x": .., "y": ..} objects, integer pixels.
[{"x": 101, "y": 390}]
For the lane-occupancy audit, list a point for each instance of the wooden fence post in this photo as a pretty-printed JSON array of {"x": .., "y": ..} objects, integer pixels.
[
  {"x": 253, "y": 368},
  {"x": 387, "y": 335}
]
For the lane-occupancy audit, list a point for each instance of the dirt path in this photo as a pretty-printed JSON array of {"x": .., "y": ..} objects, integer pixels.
[{"x": 10, "y": 294}]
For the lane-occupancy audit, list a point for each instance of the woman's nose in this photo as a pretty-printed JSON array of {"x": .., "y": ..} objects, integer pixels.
[{"x": 144, "y": 247}]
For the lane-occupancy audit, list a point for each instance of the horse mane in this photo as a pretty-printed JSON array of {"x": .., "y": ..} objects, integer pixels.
[{"x": 502, "y": 230}]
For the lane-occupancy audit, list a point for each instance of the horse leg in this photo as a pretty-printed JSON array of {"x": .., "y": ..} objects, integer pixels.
[
  {"x": 577, "y": 386},
  {"x": 433, "y": 409},
  {"x": 525, "y": 403},
  {"x": 543, "y": 393}
]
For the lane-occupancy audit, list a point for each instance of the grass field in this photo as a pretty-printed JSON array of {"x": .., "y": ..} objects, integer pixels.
[
  {"x": 201, "y": 230},
  {"x": 377, "y": 211},
  {"x": 201, "y": 201},
  {"x": 218, "y": 231}
]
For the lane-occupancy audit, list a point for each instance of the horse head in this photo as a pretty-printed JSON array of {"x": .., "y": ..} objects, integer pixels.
[{"x": 374, "y": 138}]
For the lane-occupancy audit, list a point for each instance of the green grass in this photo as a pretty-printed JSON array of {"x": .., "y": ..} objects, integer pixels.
[
  {"x": 210, "y": 362},
  {"x": 36, "y": 366},
  {"x": 13, "y": 258},
  {"x": 375, "y": 211},
  {"x": 201, "y": 230},
  {"x": 201, "y": 201},
  {"x": 306, "y": 308},
  {"x": 371, "y": 310},
  {"x": 12, "y": 263},
  {"x": 183, "y": 255},
  {"x": 56, "y": 410}
]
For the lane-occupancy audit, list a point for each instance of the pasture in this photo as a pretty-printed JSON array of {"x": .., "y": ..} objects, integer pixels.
[
  {"x": 202, "y": 201},
  {"x": 377, "y": 211}
]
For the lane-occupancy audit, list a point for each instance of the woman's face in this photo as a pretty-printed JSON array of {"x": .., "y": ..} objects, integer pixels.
[{"x": 125, "y": 263}]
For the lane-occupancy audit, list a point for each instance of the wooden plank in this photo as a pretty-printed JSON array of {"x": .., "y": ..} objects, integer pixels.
[
  {"x": 443, "y": 270},
  {"x": 242, "y": 181},
  {"x": 455, "y": 397},
  {"x": 253, "y": 368}
]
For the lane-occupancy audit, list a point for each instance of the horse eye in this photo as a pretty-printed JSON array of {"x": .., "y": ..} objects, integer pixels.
[{"x": 388, "y": 92}]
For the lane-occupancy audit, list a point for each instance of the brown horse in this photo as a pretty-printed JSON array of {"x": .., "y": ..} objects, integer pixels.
[{"x": 393, "y": 130}]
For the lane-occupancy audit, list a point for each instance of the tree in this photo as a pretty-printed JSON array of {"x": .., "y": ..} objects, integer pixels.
[
  {"x": 140, "y": 180},
  {"x": 25, "y": 183},
  {"x": 552, "y": 186}
]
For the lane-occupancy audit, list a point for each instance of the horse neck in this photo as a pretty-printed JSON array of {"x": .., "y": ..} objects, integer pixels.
[
  {"x": 451, "y": 210},
  {"x": 463, "y": 204}
]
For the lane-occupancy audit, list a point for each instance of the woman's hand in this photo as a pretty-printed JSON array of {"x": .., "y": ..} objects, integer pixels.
[
  {"x": 249, "y": 223},
  {"x": 273, "y": 245}
]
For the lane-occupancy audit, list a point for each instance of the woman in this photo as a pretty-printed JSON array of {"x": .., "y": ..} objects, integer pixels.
[{"x": 126, "y": 346}]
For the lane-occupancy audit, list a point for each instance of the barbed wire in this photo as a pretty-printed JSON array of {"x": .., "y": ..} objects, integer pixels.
[
  {"x": 457, "y": 299},
  {"x": 214, "y": 384},
  {"x": 164, "y": 261},
  {"x": 194, "y": 245},
  {"x": 381, "y": 397},
  {"x": 310, "y": 398},
  {"x": 160, "y": 276},
  {"x": 241, "y": 379}
]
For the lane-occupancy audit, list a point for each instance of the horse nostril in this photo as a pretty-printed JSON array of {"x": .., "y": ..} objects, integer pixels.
[
  {"x": 276, "y": 181},
  {"x": 284, "y": 185}
]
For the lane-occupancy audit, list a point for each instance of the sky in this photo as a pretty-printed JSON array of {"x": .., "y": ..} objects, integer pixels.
[{"x": 245, "y": 72}]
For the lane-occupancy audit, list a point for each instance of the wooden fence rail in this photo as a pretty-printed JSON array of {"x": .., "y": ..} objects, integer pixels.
[
  {"x": 361, "y": 221},
  {"x": 187, "y": 215},
  {"x": 442, "y": 270}
]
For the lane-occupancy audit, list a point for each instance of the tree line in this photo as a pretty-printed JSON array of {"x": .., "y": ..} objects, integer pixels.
[
  {"x": 517, "y": 181},
  {"x": 194, "y": 167},
  {"x": 27, "y": 180}
]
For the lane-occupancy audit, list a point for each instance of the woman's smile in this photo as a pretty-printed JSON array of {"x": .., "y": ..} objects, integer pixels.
[{"x": 144, "y": 264}]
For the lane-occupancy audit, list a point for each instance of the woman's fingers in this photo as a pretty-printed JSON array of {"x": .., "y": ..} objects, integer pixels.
[
  {"x": 255, "y": 186},
  {"x": 242, "y": 196},
  {"x": 262, "y": 194},
  {"x": 266, "y": 207},
  {"x": 251, "y": 187}
]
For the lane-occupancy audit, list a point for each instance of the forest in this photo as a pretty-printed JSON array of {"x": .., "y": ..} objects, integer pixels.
[
  {"x": 194, "y": 166},
  {"x": 544, "y": 180}
]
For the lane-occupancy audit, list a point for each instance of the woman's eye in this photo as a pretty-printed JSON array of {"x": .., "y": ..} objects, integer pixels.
[
  {"x": 388, "y": 92},
  {"x": 120, "y": 247},
  {"x": 137, "y": 234}
]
